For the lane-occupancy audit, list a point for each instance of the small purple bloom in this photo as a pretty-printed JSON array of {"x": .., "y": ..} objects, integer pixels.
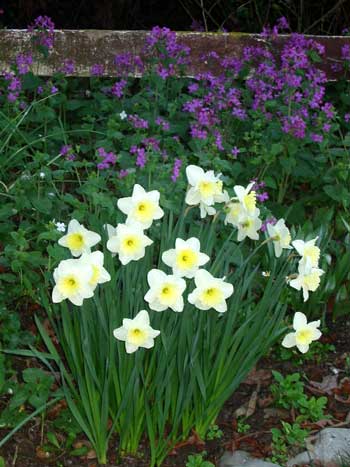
[
  {"x": 235, "y": 151},
  {"x": 176, "y": 170},
  {"x": 97, "y": 70}
]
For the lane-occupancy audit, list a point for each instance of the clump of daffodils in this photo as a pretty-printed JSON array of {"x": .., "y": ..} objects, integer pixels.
[{"x": 77, "y": 278}]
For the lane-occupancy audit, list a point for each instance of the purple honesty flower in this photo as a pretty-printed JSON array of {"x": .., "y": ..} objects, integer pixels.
[
  {"x": 40, "y": 90},
  {"x": 138, "y": 122},
  {"x": 347, "y": 118},
  {"x": 141, "y": 157},
  {"x": 152, "y": 143},
  {"x": 261, "y": 197},
  {"x": 12, "y": 96},
  {"x": 109, "y": 159},
  {"x": 118, "y": 88},
  {"x": 235, "y": 151},
  {"x": 54, "y": 89},
  {"x": 66, "y": 150},
  {"x": 23, "y": 62},
  {"x": 123, "y": 173},
  {"x": 316, "y": 138},
  {"x": 97, "y": 69},
  {"x": 68, "y": 66},
  {"x": 160, "y": 121},
  {"x": 176, "y": 170},
  {"x": 193, "y": 88},
  {"x": 43, "y": 28}
]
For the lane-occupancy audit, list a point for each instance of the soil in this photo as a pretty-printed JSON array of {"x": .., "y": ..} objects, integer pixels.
[{"x": 24, "y": 450}]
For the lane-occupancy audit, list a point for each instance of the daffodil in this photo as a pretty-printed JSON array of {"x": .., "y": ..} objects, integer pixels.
[
  {"x": 111, "y": 232},
  {"x": 304, "y": 334},
  {"x": 308, "y": 250},
  {"x": 78, "y": 239},
  {"x": 206, "y": 189},
  {"x": 234, "y": 211},
  {"x": 136, "y": 332},
  {"x": 142, "y": 207},
  {"x": 210, "y": 292},
  {"x": 246, "y": 197},
  {"x": 99, "y": 274},
  {"x": 165, "y": 291},
  {"x": 280, "y": 235},
  {"x": 248, "y": 226},
  {"x": 72, "y": 281},
  {"x": 129, "y": 242},
  {"x": 308, "y": 278},
  {"x": 186, "y": 258}
]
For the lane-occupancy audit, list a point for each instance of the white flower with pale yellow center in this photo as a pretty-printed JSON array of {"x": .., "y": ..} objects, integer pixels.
[
  {"x": 165, "y": 291},
  {"x": 308, "y": 278},
  {"x": 205, "y": 189},
  {"x": 304, "y": 334},
  {"x": 186, "y": 258},
  {"x": 210, "y": 292},
  {"x": 235, "y": 210},
  {"x": 72, "y": 282},
  {"x": 246, "y": 197},
  {"x": 248, "y": 226},
  {"x": 129, "y": 242},
  {"x": 111, "y": 232},
  {"x": 142, "y": 208},
  {"x": 308, "y": 250},
  {"x": 78, "y": 239},
  {"x": 136, "y": 332},
  {"x": 280, "y": 234},
  {"x": 99, "y": 274}
]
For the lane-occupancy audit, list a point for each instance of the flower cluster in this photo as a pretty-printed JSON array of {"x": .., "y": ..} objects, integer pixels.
[
  {"x": 77, "y": 278},
  {"x": 43, "y": 29},
  {"x": 109, "y": 159}
]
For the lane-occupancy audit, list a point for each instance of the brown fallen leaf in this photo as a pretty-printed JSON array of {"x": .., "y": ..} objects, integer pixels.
[
  {"x": 41, "y": 453},
  {"x": 258, "y": 376},
  {"x": 327, "y": 385},
  {"x": 273, "y": 412},
  {"x": 247, "y": 409}
]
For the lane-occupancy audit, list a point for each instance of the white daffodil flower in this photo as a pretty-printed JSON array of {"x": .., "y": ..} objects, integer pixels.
[
  {"x": 185, "y": 259},
  {"x": 235, "y": 212},
  {"x": 210, "y": 292},
  {"x": 248, "y": 226},
  {"x": 308, "y": 250},
  {"x": 142, "y": 207},
  {"x": 246, "y": 197},
  {"x": 205, "y": 190},
  {"x": 281, "y": 236},
  {"x": 72, "y": 278},
  {"x": 136, "y": 332},
  {"x": 78, "y": 239},
  {"x": 111, "y": 232},
  {"x": 99, "y": 274},
  {"x": 304, "y": 334},
  {"x": 129, "y": 242},
  {"x": 308, "y": 278},
  {"x": 165, "y": 291}
]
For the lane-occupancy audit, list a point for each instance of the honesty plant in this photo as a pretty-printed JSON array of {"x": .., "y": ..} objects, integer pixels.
[{"x": 179, "y": 318}]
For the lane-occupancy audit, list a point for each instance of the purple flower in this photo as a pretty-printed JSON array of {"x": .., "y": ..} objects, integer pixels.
[
  {"x": 23, "y": 62},
  {"x": 118, "y": 88},
  {"x": 347, "y": 118},
  {"x": 66, "y": 150},
  {"x": 40, "y": 90},
  {"x": 123, "y": 173},
  {"x": 141, "y": 157},
  {"x": 138, "y": 122},
  {"x": 193, "y": 88},
  {"x": 176, "y": 170},
  {"x": 109, "y": 159},
  {"x": 316, "y": 138},
  {"x": 97, "y": 70},
  {"x": 235, "y": 151},
  {"x": 54, "y": 89},
  {"x": 160, "y": 121},
  {"x": 261, "y": 197},
  {"x": 43, "y": 28},
  {"x": 68, "y": 67}
]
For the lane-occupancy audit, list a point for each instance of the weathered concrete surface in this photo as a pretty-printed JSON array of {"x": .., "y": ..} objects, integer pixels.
[
  {"x": 87, "y": 47},
  {"x": 242, "y": 459},
  {"x": 331, "y": 444}
]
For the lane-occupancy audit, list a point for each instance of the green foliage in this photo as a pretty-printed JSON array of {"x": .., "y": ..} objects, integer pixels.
[
  {"x": 197, "y": 460},
  {"x": 283, "y": 439},
  {"x": 214, "y": 432},
  {"x": 289, "y": 393},
  {"x": 242, "y": 426}
]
